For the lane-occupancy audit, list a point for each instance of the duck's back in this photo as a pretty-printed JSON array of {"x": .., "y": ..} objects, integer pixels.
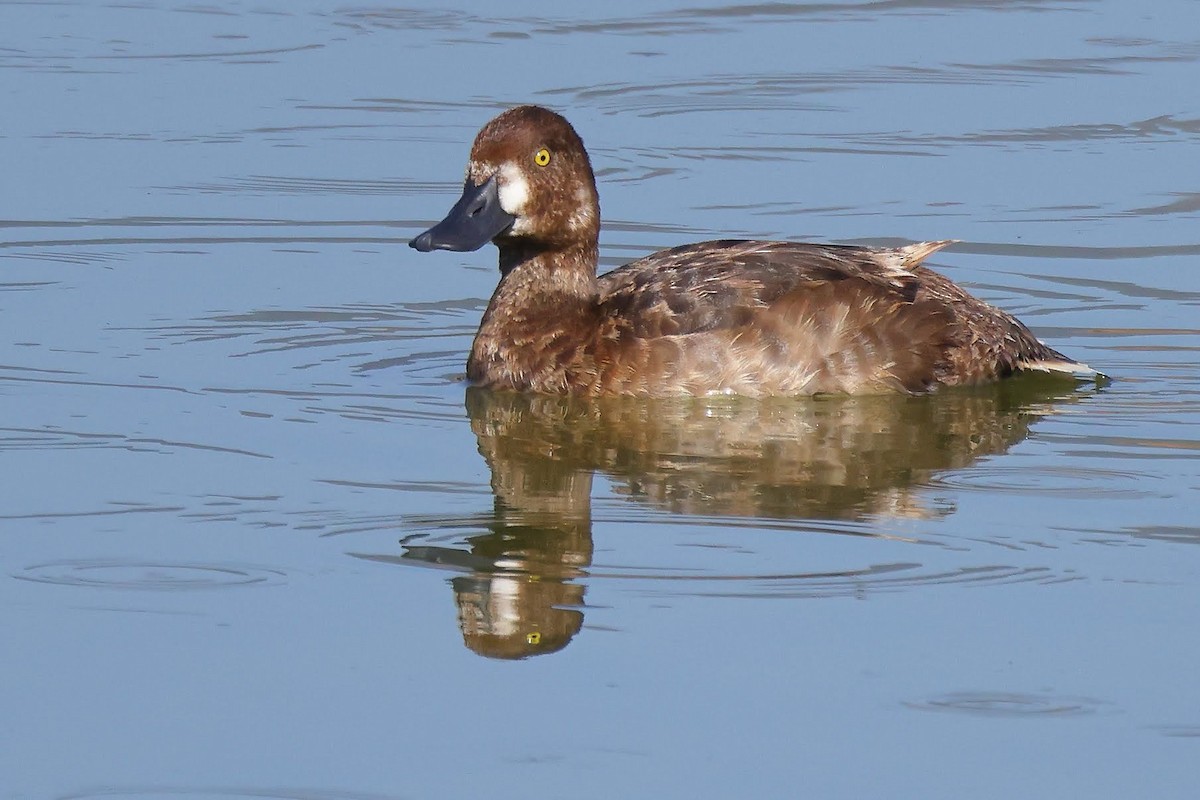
[{"x": 772, "y": 318}]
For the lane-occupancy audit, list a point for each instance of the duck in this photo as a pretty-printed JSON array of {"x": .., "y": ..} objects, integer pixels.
[{"x": 725, "y": 317}]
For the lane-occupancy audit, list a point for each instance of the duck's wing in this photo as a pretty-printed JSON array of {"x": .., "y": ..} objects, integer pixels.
[
  {"x": 776, "y": 318},
  {"x": 722, "y": 284}
]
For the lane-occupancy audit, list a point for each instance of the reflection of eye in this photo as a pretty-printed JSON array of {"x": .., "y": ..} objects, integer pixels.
[{"x": 541, "y": 157}]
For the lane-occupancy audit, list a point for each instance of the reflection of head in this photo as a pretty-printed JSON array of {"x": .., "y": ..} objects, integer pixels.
[
  {"x": 519, "y": 598},
  {"x": 516, "y": 616}
]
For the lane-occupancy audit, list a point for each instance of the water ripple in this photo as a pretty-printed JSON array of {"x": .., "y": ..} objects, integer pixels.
[
  {"x": 888, "y": 577},
  {"x": 1172, "y": 534},
  {"x": 1179, "y": 731},
  {"x": 781, "y": 91},
  {"x": 686, "y": 21},
  {"x": 52, "y": 438},
  {"x": 1164, "y": 128},
  {"x": 1045, "y": 480},
  {"x": 150, "y": 575},
  {"x": 519, "y": 540},
  {"x": 257, "y": 185},
  {"x": 219, "y": 793},
  {"x": 1008, "y": 704}
]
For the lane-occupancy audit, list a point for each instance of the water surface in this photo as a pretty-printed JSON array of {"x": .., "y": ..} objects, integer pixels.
[{"x": 260, "y": 540}]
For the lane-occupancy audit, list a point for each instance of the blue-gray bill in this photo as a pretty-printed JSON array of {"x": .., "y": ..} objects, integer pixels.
[{"x": 474, "y": 221}]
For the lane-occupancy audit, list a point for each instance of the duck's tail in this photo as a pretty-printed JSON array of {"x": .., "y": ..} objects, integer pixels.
[
  {"x": 913, "y": 254},
  {"x": 1058, "y": 364}
]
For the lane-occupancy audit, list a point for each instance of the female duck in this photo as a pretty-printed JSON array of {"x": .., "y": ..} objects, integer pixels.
[{"x": 738, "y": 317}]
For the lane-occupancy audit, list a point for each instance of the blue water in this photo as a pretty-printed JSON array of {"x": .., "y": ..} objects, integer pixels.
[{"x": 259, "y": 541}]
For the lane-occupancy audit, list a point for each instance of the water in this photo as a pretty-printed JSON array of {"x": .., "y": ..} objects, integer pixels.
[{"x": 259, "y": 540}]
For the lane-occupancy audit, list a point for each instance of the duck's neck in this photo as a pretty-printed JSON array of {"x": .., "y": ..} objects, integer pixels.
[
  {"x": 578, "y": 258},
  {"x": 544, "y": 299},
  {"x": 532, "y": 279}
]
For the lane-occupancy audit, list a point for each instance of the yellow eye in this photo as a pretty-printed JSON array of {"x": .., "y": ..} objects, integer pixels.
[{"x": 541, "y": 157}]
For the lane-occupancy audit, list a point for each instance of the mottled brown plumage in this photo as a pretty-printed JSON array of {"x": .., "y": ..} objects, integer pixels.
[{"x": 740, "y": 317}]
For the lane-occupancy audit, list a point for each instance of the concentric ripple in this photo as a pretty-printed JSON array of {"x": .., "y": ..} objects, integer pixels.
[
  {"x": 1047, "y": 481},
  {"x": 1008, "y": 704},
  {"x": 151, "y": 576}
]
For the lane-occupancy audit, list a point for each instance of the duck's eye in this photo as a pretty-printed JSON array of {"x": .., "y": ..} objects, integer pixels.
[{"x": 541, "y": 157}]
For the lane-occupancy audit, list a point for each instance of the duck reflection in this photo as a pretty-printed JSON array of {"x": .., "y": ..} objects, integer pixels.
[
  {"x": 827, "y": 458},
  {"x": 519, "y": 596}
]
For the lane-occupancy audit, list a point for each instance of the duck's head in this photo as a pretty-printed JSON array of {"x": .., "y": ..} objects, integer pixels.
[{"x": 529, "y": 185}]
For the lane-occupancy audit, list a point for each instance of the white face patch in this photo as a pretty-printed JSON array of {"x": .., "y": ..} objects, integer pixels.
[
  {"x": 514, "y": 189},
  {"x": 514, "y": 194}
]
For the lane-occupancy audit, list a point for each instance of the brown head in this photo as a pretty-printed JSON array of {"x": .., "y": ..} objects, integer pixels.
[{"x": 529, "y": 187}]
